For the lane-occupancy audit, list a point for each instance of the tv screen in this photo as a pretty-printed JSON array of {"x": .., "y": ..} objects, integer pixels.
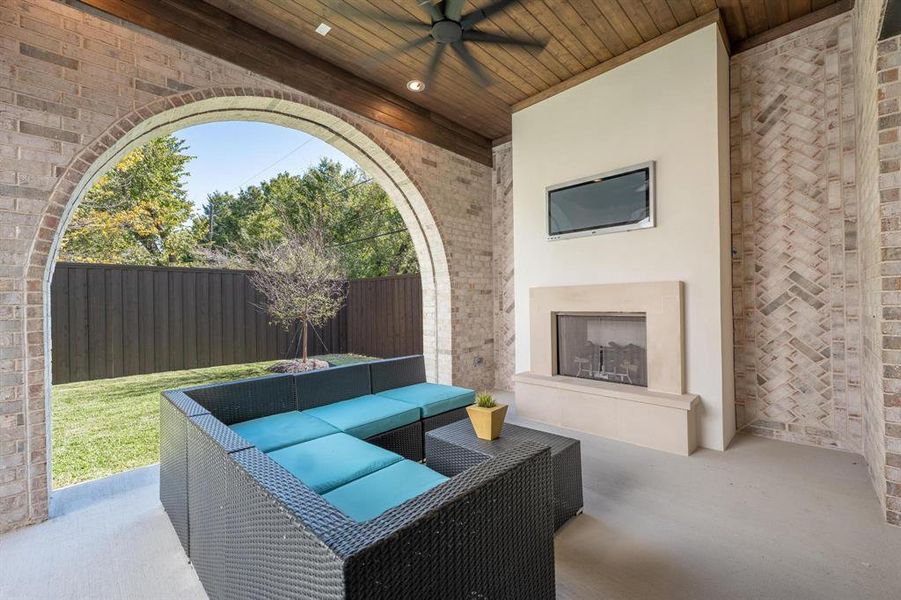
[{"x": 614, "y": 201}]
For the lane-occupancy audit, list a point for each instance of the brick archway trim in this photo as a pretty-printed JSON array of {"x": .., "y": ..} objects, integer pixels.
[{"x": 168, "y": 114}]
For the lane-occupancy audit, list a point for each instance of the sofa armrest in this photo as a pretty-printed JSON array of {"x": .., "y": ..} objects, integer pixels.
[
  {"x": 246, "y": 399},
  {"x": 273, "y": 543},
  {"x": 434, "y": 546},
  {"x": 294, "y": 498},
  {"x": 184, "y": 404},
  {"x": 397, "y": 372},
  {"x": 175, "y": 410}
]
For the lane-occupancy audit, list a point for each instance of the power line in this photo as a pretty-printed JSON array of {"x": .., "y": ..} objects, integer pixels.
[
  {"x": 371, "y": 237},
  {"x": 211, "y": 211},
  {"x": 263, "y": 170},
  {"x": 350, "y": 187}
]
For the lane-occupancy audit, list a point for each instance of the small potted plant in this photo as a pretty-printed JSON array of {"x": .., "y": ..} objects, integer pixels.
[{"x": 487, "y": 416}]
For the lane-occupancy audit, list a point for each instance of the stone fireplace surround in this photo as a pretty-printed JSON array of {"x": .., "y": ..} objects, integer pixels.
[{"x": 662, "y": 416}]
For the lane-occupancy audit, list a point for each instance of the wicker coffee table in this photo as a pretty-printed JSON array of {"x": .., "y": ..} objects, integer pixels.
[{"x": 454, "y": 448}]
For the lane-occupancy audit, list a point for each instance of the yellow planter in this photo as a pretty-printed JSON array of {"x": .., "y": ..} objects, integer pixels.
[{"x": 487, "y": 422}]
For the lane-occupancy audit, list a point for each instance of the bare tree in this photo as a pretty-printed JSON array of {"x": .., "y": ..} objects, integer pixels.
[{"x": 301, "y": 280}]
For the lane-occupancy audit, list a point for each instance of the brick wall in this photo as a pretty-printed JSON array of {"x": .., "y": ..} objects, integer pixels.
[
  {"x": 502, "y": 237},
  {"x": 817, "y": 239},
  {"x": 889, "y": 128},
  {"x": 795, "y": 267},
  {"x": 76, "y": 88}
]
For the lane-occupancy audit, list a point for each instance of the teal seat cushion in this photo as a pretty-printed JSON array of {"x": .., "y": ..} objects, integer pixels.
[
  {"x": 366, "y": 416},
  {"x": 281, "y": 430},
  {"x": 370, "y": 496},
  {"x": 432, "y": 398},
  {"x": 331, "y": 461}
]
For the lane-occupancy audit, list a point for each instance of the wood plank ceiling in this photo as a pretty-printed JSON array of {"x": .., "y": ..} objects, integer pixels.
[{"x": 580, "y": 35}]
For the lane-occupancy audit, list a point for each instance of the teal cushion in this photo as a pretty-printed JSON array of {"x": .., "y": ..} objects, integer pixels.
[
  {"x": 281, "y": 430},
  {"x": 432, "y": 398},
  {"x": 366, "y": 416},
  {"x": 331, "y": 461},
  {"x": 370, "y": 496}
]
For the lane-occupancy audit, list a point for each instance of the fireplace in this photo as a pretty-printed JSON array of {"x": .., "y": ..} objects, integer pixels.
[
  {"x": 603, "y": 347},
  {"x": 609, "y": 360}
]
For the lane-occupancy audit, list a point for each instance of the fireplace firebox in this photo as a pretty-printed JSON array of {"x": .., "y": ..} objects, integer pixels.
[{"x": 603, "y": 347}]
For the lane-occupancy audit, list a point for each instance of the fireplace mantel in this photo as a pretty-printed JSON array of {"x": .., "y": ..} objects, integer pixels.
[
  {"x": 661, "y": 416},
  {"x": 661, "y": 302}
]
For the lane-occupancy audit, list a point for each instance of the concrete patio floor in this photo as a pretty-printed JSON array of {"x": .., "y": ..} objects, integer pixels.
[{"x": 764, "y": 520}]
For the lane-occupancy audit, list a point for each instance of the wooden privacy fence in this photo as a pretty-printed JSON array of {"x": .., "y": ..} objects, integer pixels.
[{"x": 115, "y": 320}]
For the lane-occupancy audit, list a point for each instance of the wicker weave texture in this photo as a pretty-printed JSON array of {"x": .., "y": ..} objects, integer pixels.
[
  {"x": 256, "y": 531},
  {"x": 174, "y": 469},
  {"x": 222, "y": 435},
  {"x": 406, "y": 441},
  {"x": 275, "y": 546},
  {"x": 501, "y": 509},
  {"x": 452, "y": 449},
  {"x": 446, "y": 418},
  {"x": 207, "y": 498},
  {"x": 277, "y": 484},
  {"x": 450, "y": 459},
  {"x": 184, "y": 403},
  {"x": 397, "y": 372},
  {"x": 318, "y": 388},
  {"x": 246, "y": 399},
  {"x": 567, "y": 464}
]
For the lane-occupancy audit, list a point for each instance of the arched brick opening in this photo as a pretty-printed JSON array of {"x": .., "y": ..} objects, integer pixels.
[{"x": 172, "y": 113}]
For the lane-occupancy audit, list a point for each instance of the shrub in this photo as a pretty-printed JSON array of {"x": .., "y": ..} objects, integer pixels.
[{"x": 485, "y": 400}]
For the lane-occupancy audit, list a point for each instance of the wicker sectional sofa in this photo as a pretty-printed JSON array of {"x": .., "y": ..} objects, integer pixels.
[{"x": 311, "y": 486}]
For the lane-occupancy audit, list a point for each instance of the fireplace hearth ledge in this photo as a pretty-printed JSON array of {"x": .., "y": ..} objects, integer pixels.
[{"x": 652, "y": 419}]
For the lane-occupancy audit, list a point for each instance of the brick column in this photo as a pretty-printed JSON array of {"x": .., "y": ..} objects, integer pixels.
[
  {"x": 502, "y": 235},
  {"x": 889, "y": 124}
]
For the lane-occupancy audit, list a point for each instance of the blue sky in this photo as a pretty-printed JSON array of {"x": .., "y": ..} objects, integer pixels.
[{"x": 234, "y": 154}]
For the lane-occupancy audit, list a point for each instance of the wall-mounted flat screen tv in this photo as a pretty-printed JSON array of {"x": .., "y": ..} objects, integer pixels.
[{"x": 615, "y": 201}]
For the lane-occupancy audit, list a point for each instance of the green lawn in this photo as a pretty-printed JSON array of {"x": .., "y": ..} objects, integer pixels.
[{"x": 112, "y": 425}]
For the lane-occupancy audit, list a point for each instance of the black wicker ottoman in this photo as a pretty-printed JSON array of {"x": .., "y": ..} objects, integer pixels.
[{"x": 452, "y": 449}]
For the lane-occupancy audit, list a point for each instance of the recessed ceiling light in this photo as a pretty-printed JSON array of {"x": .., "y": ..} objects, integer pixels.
[
  {"x": 323, "y": 29},
  {"x": 414, "y": 85}
]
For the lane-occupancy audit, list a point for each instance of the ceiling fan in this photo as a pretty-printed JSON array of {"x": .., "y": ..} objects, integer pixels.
[{"x": 450, "y": 27}]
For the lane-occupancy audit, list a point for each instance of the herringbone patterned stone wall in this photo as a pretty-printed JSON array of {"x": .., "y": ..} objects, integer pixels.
[{"x": 796, "y": 293}]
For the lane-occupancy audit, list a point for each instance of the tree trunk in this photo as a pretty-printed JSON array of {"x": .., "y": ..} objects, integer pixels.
[
  {"x": 305, "y": 340},
  {"x": 398, "y": 257}
]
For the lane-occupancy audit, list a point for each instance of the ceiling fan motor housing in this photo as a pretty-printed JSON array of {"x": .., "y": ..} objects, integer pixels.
[{"x": 447, "y": 31}]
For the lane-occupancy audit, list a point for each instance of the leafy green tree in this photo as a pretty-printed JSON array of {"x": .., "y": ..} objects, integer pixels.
[
  {"x": 360, "y": 221},
  {"x": 137, "y": 212}
]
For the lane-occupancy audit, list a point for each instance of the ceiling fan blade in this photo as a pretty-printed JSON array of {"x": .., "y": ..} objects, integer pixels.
[
  {"x": 431, "y": 10},
  {"x": 483, "y": 13},
  {"x": 453, "y": 9},
  {"x": 389, "y": 54},
  {"x": 433, "y": 64},
  {"x": 472, "y": 35},
  {"x": 463, "y": 52}
]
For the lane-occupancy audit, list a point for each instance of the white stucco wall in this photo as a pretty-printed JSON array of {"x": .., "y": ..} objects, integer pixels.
[{"x": 671, "y": 106}]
